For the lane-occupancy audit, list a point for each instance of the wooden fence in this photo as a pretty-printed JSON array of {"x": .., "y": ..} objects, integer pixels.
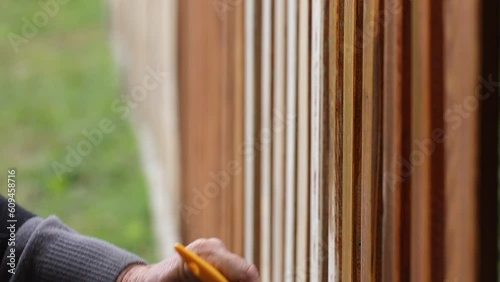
[{"x": 343, "y": 140}]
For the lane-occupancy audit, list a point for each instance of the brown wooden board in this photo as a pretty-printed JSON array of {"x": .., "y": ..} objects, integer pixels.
[
  {"x": 461, "y": 69},
  {"x": 370, "y": 144},
  {"x": 210, "y": 53},
  {"x": 396, "y": 135},
  {"x": 351, "y": 140},
  {"x": 421, "y": 156},
  {"x": 335, "y": 62}
]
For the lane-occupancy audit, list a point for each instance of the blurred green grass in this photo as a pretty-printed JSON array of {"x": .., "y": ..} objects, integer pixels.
[{"x": 59, "y": 83}]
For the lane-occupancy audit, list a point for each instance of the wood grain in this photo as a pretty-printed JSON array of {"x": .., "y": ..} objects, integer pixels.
[
  {"x": 303, "y": 88},
  {"x": 370, "y": 144},
  {"x": 335, "y": 33},
  {"x": 266, "y": 131},
  {"x": 351, "y": 141},
  {"x": 421, "y": 158},
  {"x": 396, "y": 132},
  {"x": 436, "y": 82},
  {"x": 317, "y": 240},
  {"x": 461, "y": 67},
  {"x": 236, "y": 41},
  {"x": 249, "y": 147},
  {"x": 210, "y": 52},
  {"x": 291, "y": 137},
  {"x": 280, "y": 120}
]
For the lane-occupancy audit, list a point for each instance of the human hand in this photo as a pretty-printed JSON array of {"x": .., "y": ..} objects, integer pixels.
[{"x": 173, "y": 269}]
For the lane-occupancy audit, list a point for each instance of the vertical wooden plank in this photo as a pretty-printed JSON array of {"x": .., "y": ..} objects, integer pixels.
[
  {"x": 260, "y": 135},
  {"x": 421, "y": 128},
  {"x": 461, "y": 68},
  {"x": 250, "y": 135},
  {"x": 317, "y": 261},
  {"x": 351, "y": 140},
  {"x": 280, "y": 119},
  {"x": 210, "y": 52},
  {"x": 291, "y": 135},
  {"x": 336, "y": 113},
  {"x": 236, "y": 88},
  {"x": 301, "y": 266},
  {"x": 194, "y": 119},
  {"x": 348, "y": 128},
  {"x": 396, "y": 135},
  {"x": 370, "y": 145},
  {"x": 226, "y": 120},
  {"x": 266, "y": 131},
  {"x": 434, "y": 145}
]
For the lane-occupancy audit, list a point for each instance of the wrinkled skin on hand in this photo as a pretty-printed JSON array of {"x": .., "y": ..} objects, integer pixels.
[{"x": 173, "y": 268}]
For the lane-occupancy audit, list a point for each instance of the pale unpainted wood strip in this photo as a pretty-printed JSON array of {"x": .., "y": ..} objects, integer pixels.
[
  {"x": 249, "y": 121},
  {"x": 369, "y": 146},
  {"x": 421, "y": 128},
  {"x": 280, "y": 120},
  {"x": 301, "y": 267},
  {"x": 291, "y": 135},
  {"x": 317, "y": 257},
  {"x": 461, "y": 70},
  {"x": 266, "y": 139}
]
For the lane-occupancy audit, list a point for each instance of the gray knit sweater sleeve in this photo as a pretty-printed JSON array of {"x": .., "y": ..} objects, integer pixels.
[{"x": 47, "y": 250}]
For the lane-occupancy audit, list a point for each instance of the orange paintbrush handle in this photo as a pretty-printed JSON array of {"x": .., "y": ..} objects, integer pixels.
[{"x": 199, "y": 267}]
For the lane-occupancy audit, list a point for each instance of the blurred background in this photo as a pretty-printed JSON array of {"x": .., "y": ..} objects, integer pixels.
[{"x": 60, "y": 82}]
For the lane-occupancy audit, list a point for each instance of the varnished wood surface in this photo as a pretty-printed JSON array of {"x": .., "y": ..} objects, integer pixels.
[
  {"x": 461, "y": 68},
  {"x": 211, "y": 122},
  {"x": 394, "y": 99},
  {"x": 346, "y": 182},
  {"x": 421, "y": 130},
  {"x": 370, "y": 144},
  {"x": 351, "y": 140},
  {"x": 335, "y": 61}
]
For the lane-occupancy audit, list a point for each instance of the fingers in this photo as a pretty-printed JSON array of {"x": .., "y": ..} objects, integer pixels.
[
  {"x": 171, "y": 269},
  {"x": 232, "y": 266}
]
